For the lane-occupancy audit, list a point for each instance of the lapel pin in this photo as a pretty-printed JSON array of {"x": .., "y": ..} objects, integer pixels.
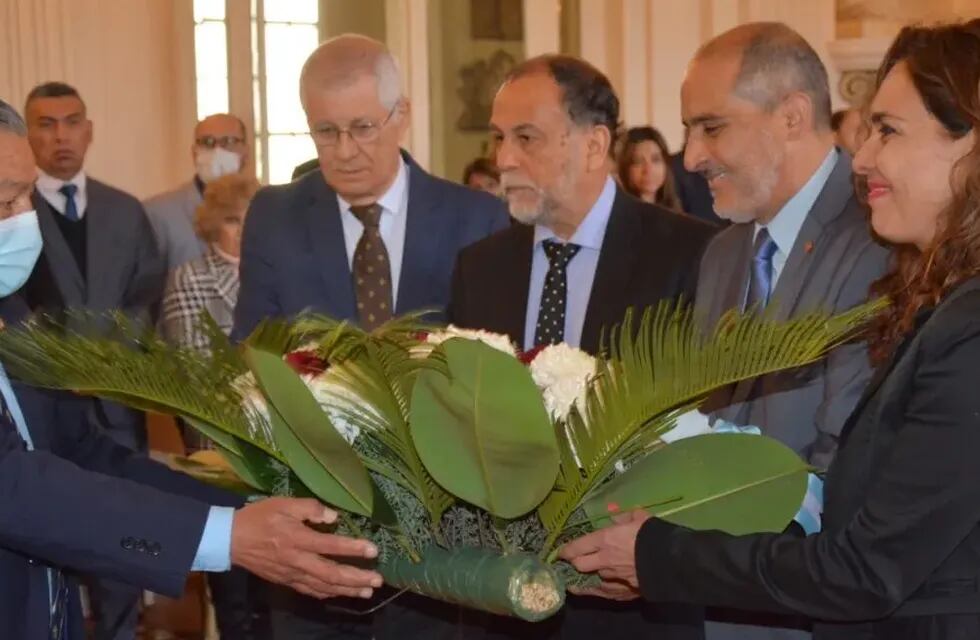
[{"x": 808, "y": 247}]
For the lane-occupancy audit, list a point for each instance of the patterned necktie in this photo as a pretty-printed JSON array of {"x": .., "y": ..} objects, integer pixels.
[
  {"x": 71, "y": 207},
  {"x": 551, "y": 314},
  {"x": 760, "y": 280},
  {"x": 57, "y": 582},
  {"x": 372, "y": 271}
]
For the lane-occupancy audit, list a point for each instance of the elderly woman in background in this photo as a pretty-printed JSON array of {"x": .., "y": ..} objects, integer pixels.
[
  {"x": 644, "y": 168},
  {"x": 210, "y": 283}
]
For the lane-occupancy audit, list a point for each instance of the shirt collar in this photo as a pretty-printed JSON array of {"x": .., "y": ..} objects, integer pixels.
[
  {"x": 785, "y": 227},
  {"x": 392, "y": 200},
  {"x": 592, "y": 229},
  {"x": 47, "y": 182}
]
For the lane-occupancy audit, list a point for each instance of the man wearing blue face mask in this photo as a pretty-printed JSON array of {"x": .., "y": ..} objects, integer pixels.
[
  {"x": 74, "y": 501},
  {"x": 220, "y": 148}
]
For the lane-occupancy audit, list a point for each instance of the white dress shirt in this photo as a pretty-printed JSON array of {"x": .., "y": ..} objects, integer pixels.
[
  {"x": 48, "y": 187},
  {"x": 394, "y": 215}
]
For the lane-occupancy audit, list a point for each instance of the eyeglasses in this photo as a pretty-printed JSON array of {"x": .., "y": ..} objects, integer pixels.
[
  {"x": 225, "y": 142},
  {"x": 361, "y": 131}
]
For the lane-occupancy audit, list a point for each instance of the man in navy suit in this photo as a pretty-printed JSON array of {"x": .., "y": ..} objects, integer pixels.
[
  {"x": 73, "y": 500},
  {"x": 368, "y": 236}
]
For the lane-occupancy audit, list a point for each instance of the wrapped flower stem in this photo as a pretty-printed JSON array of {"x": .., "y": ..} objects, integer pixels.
[{"x": 518, "y": 585}]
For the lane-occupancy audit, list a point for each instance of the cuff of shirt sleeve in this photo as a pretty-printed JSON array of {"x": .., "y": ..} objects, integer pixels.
[{"x": 214, "y": 550}]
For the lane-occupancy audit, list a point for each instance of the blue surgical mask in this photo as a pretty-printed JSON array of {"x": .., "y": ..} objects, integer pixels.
[{"x": 20, "y": 247}]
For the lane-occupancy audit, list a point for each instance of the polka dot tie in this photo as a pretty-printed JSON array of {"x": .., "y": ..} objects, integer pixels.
[
  {"x": 371, "y": 271},
  {"x": 551, "y": 315}
]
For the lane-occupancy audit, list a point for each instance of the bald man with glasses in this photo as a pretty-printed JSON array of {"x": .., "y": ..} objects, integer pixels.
[{"x": 220, "y": 147}]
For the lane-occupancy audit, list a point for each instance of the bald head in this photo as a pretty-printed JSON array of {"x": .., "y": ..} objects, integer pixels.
[
  {"x": 774, "y": 62},
  {"x": 344, "y": 60},
  {"x": 220, "y": 124}
]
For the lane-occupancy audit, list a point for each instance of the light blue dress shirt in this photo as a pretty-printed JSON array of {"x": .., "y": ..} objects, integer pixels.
[
  {"x": 785, "y": 227},
  {"x": 580, "y": 271},
  {"x": 394, "y": 217},
  {"x": 214, "y": 550}
]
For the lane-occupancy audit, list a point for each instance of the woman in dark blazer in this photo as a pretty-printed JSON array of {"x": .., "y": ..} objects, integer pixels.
[{"x": 899, "y": 555}]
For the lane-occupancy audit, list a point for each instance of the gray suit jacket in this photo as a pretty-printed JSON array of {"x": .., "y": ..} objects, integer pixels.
[
  {"x": 831, "y": 267},
  {"x": 124, "y": 271},
  {"x": 172, "y": 216}
]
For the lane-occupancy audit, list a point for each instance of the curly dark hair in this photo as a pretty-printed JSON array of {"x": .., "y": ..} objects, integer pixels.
[{"x": 950, "y": 89}]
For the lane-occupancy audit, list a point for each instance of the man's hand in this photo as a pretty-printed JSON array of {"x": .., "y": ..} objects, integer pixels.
[
  {"x": 610, "y": 552},
  {"x": 270, "y": 538}
]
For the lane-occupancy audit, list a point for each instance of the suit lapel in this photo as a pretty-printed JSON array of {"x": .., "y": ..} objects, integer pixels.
[
  {"x": 422, "y": 239},
  {"x": 511, "y": 279},
  {"x": 328, "y": 250},
  {"x": 103, "y": 241},
  {"x": 733, "y": 283},
  {"x": 61, "y": 262},
  {"x": 616, "y": 266},
  {"x": 806, "y": 251}
]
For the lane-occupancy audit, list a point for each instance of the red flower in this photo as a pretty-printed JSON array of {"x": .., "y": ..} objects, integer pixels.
[
  {"x": 612, "y": 507},
  {"x": 527, "y": 357},
  {"x": 306, "y": 362},
  {"x": 421, "y": 336}
]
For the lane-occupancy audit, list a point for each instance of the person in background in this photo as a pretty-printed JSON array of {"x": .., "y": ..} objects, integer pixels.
[
  {"x": 482, "y": 175},
  {"x": 220, "y": 148},
  {"x": 644, "y": 170},
  {"x": 210, "y": 283},
  {"x": 846, "y": 124}
]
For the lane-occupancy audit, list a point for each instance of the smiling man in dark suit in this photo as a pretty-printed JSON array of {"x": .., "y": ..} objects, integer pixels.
[
  {"x": 367, "y": 236},
  {"x": 587, "y": 252}
]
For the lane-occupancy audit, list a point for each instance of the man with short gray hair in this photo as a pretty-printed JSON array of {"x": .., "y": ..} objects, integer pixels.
[
  {"x": 756, "y": 105},
  {"x": 366, "y": 237}
]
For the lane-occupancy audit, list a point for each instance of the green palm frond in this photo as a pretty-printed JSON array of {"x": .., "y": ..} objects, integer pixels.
[
  {"x": 136, "y": 368},
  {"x": 667, "y": 367},
  {"x": 381, "y": 377}
]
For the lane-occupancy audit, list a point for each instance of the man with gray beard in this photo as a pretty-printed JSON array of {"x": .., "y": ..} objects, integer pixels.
[
  {"x": 756, "y": 105},
  {"x": 585, "y": 253}
]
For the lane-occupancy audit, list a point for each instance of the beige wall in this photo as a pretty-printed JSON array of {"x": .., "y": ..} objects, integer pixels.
[{"x": 130, "y": 61}]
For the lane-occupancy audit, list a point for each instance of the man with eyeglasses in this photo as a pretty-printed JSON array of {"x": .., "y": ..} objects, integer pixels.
[
  {"x": 369, "y": 236},
  {"x": 220, "y": 148}
]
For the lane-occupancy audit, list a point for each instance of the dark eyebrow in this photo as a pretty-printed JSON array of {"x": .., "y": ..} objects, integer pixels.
[
  {"x": 879, "y": 116},
  {"x": 696, "y": 120}
]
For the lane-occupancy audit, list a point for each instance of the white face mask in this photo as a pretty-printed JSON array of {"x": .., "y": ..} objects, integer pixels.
[
  {"x": 213, "y": 163},
  {"x": 20, "y": 247}
]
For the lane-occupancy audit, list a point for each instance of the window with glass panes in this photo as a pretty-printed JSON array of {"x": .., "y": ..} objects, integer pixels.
[
  {"x": 211, "y": 57},
  {"x": 284, "y": 34}
]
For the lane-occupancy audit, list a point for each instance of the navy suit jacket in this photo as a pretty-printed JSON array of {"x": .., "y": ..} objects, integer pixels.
[
  {"x": 294, "y": 257},
  {"x": 83, "y": 503}
]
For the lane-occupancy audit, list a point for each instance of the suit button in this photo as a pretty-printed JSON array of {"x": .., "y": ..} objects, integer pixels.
[
  {"x": 127, "y": 543},
  {"x": 141, "y": 545},
  {"x": 154, "y": 548}
]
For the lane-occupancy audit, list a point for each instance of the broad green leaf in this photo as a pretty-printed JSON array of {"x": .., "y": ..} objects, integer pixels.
[
  {"x": 311, "y": 445},
  {"x": 483, "y": 432},
  {"x": 253, "y": 465},
  {"x": 737, "y": 483}
]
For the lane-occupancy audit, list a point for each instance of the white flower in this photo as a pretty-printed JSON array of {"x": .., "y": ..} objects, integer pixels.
[
  {"x": 336, "y": 400},
  {"x": 254, "y": 405},
  {"x": 498, "y": 341},
  {"x": 563, "y": 374}
]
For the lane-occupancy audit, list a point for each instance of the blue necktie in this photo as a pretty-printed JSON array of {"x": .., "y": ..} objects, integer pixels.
[
  {"x": 57, "y": 583},
  {"x": 71, "y": 208},
  {"x": 760, "y": 282},
  {"x": 551, "y": 314}
]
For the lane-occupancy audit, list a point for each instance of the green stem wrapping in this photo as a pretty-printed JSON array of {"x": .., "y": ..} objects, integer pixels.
[{"x": 518, "y": 585}]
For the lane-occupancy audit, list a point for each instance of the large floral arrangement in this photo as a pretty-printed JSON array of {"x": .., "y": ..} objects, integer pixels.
[{"x": 467, "y": 461}]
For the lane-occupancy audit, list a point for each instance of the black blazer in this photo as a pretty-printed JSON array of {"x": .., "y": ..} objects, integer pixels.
[
  {"x": 899, "y": 556},
  {"x": 648, "y": 254}
]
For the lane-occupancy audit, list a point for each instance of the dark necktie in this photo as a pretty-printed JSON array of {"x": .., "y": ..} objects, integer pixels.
[
  {"x": 58, "y": 584},
  {"x": 371, "y": 271},
  {"x": 71, "y": 207},
  {"x": 760, "y": 280},
  {"x": 551, "y": 314}
]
